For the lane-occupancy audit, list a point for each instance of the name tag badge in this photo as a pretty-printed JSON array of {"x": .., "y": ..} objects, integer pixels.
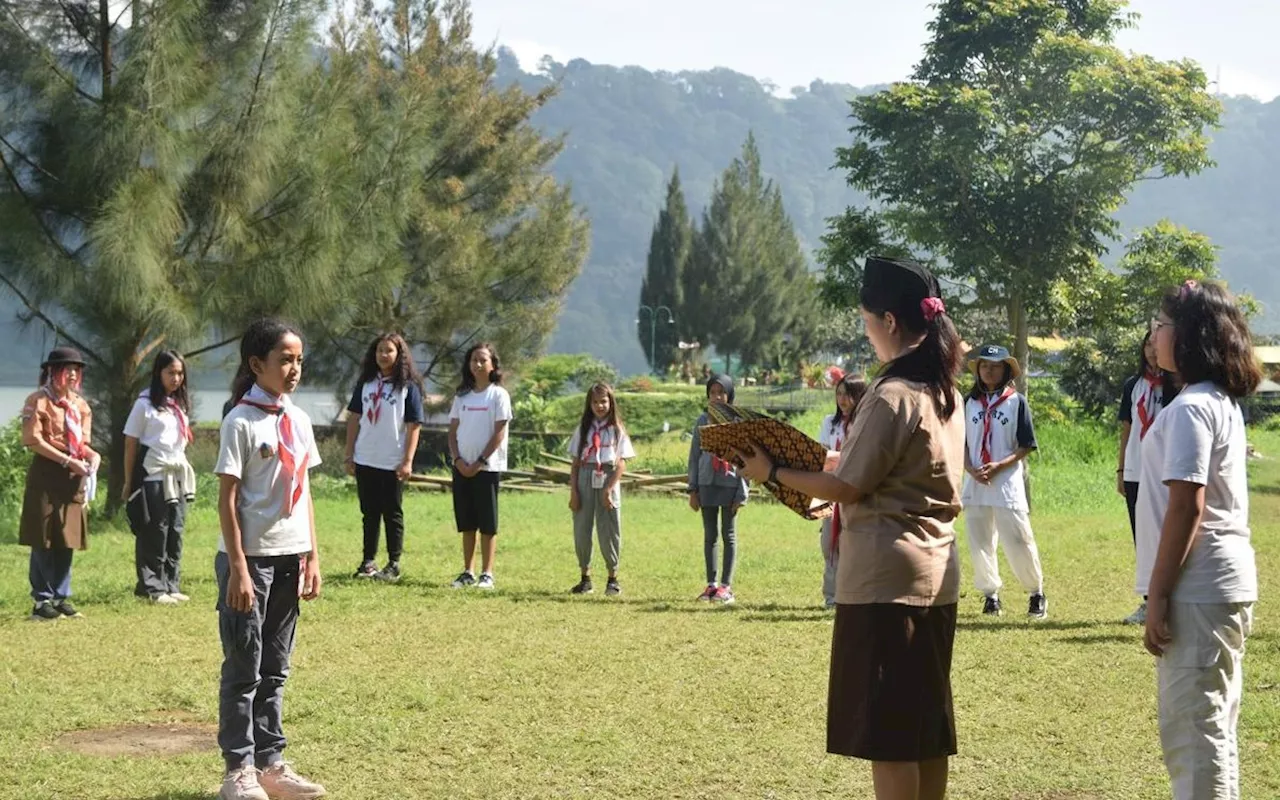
[
  {"x": 265, "y": 451},
  {"x": 597, "y": 480}
]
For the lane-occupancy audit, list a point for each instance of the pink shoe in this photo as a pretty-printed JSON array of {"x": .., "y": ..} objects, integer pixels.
[
  {"x": 708, "y": 593},
  {"x": 282, "y": 783},
  {"x": 723, "y": 595}
]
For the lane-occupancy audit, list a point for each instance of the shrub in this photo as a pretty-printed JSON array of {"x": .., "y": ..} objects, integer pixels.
[
  {"x": 639, "y": 384},
  {"x": 556, "y": 375},
  {"x": 14, "y": 461}
]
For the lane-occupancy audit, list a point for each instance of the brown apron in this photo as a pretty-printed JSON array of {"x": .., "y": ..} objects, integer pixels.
[{"x": 53, "y": 509}]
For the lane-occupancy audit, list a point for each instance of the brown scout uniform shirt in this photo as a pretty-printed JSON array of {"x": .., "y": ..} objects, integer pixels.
[{"x": 51, "y": 420}]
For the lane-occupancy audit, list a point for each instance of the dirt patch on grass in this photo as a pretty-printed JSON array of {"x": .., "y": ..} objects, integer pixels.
[{"x": 142, "y": 741}]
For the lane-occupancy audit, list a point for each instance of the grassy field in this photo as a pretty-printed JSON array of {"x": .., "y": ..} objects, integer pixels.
[{"x": 417, "y": 691}]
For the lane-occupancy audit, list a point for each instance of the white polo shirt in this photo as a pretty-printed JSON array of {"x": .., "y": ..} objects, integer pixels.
[
  {"x": 250, "y": 451},
  {"x": 157, "y": 429}
]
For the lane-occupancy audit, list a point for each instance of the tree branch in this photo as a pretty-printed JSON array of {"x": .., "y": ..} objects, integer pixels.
[
  {"x": 51, "y": 63},
  {"x": 53, "y": 326},
  {"x": 210, "y": 347}
]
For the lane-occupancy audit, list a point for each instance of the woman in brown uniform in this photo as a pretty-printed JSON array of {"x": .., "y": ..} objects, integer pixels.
[
  {"x": 56, "y": 426},
  {"x": 898, "y": 485}
]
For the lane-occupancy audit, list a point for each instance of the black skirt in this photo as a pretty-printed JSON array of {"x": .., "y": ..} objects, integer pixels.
[{"x": 890, "y": 692}]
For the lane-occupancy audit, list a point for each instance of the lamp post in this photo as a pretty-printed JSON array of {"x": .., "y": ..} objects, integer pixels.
[{"x": 653, "y": 331}]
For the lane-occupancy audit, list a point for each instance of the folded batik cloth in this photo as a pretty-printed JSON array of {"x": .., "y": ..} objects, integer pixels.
[{"x": 743, "y": 429}]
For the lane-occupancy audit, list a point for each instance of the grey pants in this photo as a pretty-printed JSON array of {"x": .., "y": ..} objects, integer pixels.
[
  {"x": 728, "y": 519},
  {"x": 157, "y": 548},
  {"x": 608, "y": 524},
  {"x": 828, "y": 563},
  {"x": 256, "y": 647}
]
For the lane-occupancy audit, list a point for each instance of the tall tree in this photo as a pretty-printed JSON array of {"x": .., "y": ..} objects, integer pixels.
[
  {"x": 669, "y": 249},
  {"x": 171, "y": 169},
  {"x": 1016, "y": 139},
  {"x": 747, "y": 274},
  {"x": 490, "y": 242}
]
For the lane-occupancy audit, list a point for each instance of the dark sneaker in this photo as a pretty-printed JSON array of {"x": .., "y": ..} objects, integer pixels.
[
  {"x": 67, "y": 610},
  {"x": 612, "y": 589},
  {"x": 991, "y": 606},
  {"x": 1038, "y": 607},
  {"x": 584, "y": 587},
  {"x": 367, "y": 570},
  {"x": 708, "y": 592},
  {"x": 390, "y": 573},
  {"x": 464, "y": 579},
  {"x": 44, "y": 612}
]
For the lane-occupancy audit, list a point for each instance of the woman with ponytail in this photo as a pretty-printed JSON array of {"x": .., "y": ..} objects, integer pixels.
[{"x": 898, "y": 577}]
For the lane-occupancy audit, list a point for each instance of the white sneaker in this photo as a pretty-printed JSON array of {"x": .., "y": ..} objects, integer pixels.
[
  {"x": 242, "y": 784},
  {"x": 179, "y": 596},
  {"x": 485, "y": 582},
  {"x": 1138, "y": 617},
  {"x": 165, "y": 600},
  {"x": 282, "y": 783}
]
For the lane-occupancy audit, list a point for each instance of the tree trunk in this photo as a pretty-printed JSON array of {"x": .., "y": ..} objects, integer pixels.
[
  {"x": 104, "y": 42},
  {"x": 120, "y": 393},
  {"x": 1021, "y": 333}
]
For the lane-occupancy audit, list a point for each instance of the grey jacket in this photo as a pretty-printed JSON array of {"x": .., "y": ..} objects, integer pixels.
[{"x": 702, "y": 473}]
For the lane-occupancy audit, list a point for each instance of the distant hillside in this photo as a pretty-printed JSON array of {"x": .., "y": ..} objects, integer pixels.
[{"x": 626, "y": 127}]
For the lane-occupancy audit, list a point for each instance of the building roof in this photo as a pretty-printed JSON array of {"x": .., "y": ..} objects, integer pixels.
[{"x": 1267, "y": 355}]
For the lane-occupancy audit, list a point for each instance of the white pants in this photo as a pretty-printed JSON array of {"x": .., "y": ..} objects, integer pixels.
[
  {"x": 829, "y": 561},
  {"x": 1014, "y": 529},
  {"x": 1200, "y": 684}
]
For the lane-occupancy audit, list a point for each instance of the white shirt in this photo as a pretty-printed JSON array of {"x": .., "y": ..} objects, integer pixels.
[
  {"x": 833, "y": 440},
  {"x": 614, "y": 444},
  {"x": 478, "y": 414},
  {"x": 1152, "y": 399},
  {"x": 250, "y": 451},
  {"x": 1011, "y": 430},
  {"x": 1199, "y": 438},
  {"x": 380, "y": 444},
  {"x": 157, "y": 429}
]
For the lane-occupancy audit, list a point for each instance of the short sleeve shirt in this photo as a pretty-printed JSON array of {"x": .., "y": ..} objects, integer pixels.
[
  {"x": 614, "y": 444},
  {"x": 250, "y": 451},
  {"x": 478, "y": 414},
  {"x": 51, "y": 419},
  {"x": 898, "y": 542},
  {"x": 155, "y": 428},
  {"x": 384, "y": 413},
  {"x": 1137, "y": 392},
  {"x": 1199, "y": 438},
  {"x": 1011, "y": 429}
]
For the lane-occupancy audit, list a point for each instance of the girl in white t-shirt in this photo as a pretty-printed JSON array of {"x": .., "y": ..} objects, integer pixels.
[
  {"x": 478, "y": 447},
  {"x": 158, "y": 480},
  {"x": 833, "y": 434},
  {"x": 383, "y": 420},
  {"x": 1195, "y": 560},
  {"x": 998, "y": 437},
  {"x": 267, "y": 559},
  {"x": 600, "y": 448}
]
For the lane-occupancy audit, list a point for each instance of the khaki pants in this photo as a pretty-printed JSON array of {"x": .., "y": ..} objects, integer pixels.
[
  {"x": 1013, "y": 528},
  {"x": 1200, "y": 686},
  {"x": 593, "y": 511}
]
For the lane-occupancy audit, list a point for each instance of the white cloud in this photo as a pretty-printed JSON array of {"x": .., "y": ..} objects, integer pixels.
[
  {"x": 530, "y": 53},
  {"x": 1236, "y": 81}
]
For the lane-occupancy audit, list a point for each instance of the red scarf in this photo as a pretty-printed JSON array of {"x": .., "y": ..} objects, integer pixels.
[
  {"x": 184, "y": 427},
  {"x": 597, "y": 444},
  {"x": 835, "y": 515},
  {"x": 293, "y": 468},
  {"x": 718, "y": 464},
  {"x": 988, "y": 406},
  {"x": 375, "y": 405},
  {"x": 1147, "y": 403},
  {"x": 74, "y": 425}
]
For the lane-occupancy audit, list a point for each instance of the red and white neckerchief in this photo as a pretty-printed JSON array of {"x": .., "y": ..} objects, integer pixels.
[
  {"x": 293, "y": 458},
  {"x": 718, "y": 464},
  {"x": 74, "y": 425},
  {"x": 989, "y": 405},
  {"x": 597, "y": 444},
  {"x": 835, "y": 515},
  {"x": 1147, "y": 402},
  {"x": 375, "y": 405},
  {"x": 184, "y": 424}
]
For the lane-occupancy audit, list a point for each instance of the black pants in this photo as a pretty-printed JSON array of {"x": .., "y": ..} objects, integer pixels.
[
  {"x": 381, "y": 500},
  {"x": 157, "y": 547},
  {"x": 1131, "y": 499}
]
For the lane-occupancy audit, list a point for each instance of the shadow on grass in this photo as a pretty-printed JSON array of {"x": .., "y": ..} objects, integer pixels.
[
  {"x": 1015, "y": 622},
  {"x": 183, "y": 795},
  {"x": 1134, "y": 638},
  {"x": 1267, "y": 489}
]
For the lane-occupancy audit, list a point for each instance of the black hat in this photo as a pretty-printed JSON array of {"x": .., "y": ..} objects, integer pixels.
[
  {"x": 997, "y": 354},
  {"x": 63, "y": 356},
  {"x": 891, "y": 283},
  {"x": 726, "y": 382}
]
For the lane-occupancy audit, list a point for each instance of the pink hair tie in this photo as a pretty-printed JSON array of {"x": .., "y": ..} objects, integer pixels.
[
  {"x": 1188, "y": 287},
  {"x": 932, "y": 307}
]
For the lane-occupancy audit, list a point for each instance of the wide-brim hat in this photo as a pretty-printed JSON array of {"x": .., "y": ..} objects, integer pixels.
[
  {"x": 63, "y": 357},
  {"x": 997, "y": 354}
]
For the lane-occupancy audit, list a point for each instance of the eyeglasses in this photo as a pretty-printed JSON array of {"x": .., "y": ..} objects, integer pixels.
[{"x": 1157, "y": 324}]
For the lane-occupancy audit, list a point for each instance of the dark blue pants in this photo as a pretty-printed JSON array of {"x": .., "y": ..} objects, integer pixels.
[
  {"x": 256, "y": 647},
  {"x": 50, "y": 574},
  {"x": 728, "y": 531},
  {"x": 157, "y": 549}
]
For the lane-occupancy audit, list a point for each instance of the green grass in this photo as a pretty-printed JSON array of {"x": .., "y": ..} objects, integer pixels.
[{"x": 417, "y": 691}]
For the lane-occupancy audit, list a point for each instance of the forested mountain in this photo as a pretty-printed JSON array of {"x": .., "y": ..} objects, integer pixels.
[{"x": 627, "y": 127}]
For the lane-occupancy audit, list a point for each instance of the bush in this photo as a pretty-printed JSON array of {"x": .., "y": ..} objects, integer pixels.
[
  {"x": 14, "y": 461},
  {"x": 1049, "y": 403},
  {"x": 1093, "y": 372},
  {"x": 644, "y": 414},
  {"x": 639, "y": 384},
  {"x": 556, "y": 375}
]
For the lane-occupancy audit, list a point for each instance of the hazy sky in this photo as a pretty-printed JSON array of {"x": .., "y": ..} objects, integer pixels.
[{"x": 861, "y": 42}]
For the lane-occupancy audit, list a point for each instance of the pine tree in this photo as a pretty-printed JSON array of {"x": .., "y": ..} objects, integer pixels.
[
  {"x": 172, "y": 169},
  {"x": 669, "y": 250}
]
